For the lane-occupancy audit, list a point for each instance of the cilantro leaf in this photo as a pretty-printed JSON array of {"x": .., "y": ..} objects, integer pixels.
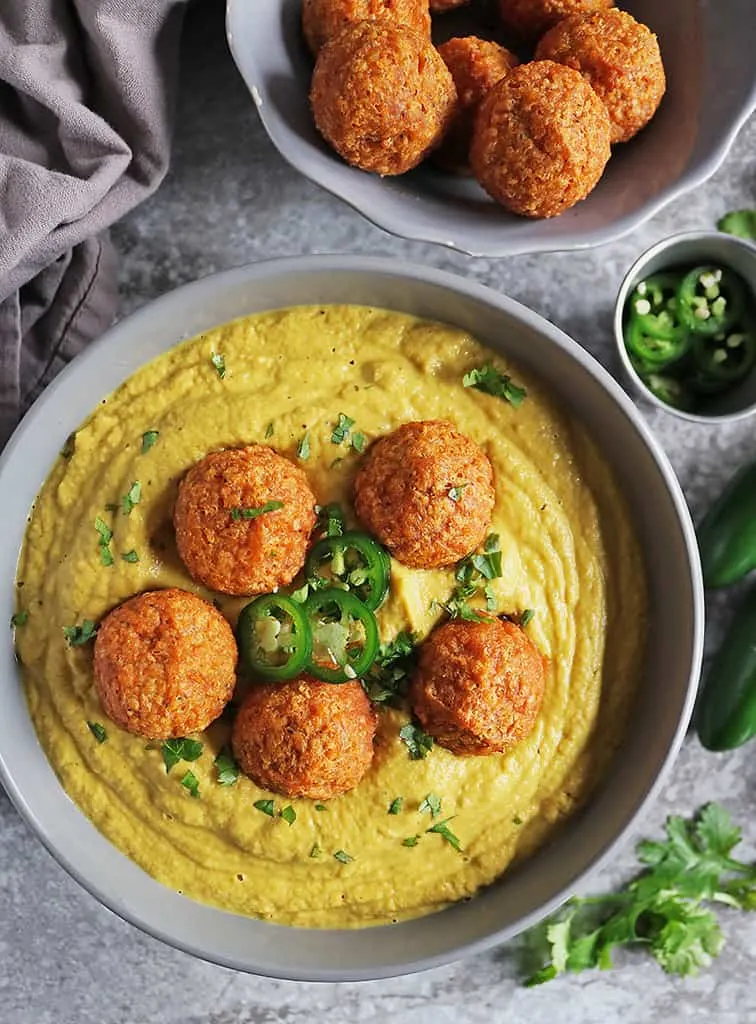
[
  {"x": 419, "y": 743},
  {"x": 266, "y": 806},
  {"x": 396, "y": 805},
  {"x": 431, "y": 803},
  {"x": 330, "y": 520},
  {"x": 149, "y": 438},
  {"x": 130, "y": 556},
  {"x": 473, "y": 574},
  {"x": 340, "y": 432},
  {"x": 358, "y": 442},
  {"x": 526, "y": 617},
  {"x": 98, "y": 731},
  {"x": 239, "y": 513},
  {"x": 219, "y": 363},
  {"x": 320, "y": 807},
  {"x": 491, "y": 381},
  {"x": 191, "y": 782},
  {"x": 77, "y": 636},
  {"x": 390, "y": 673},
  {"x": 411, "y": 840},
  {"x": 303, "y": 448},
  {"x": 228, "y": 769},
  {"x": 19, "y": 618},
  {"x": 288, "y": 814},
  {"x": 741, "y": 223},
  {"x": 132, "y": 498},
  {"x": 315, "y": 852},
  {"x": 269, "y": 430},
  {"x": 343, "y": 856},
  {"x": 180, "y": 749},
  {"x": 442, "y": 828}
]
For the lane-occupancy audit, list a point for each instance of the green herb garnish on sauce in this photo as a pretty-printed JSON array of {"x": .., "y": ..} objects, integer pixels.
[
  {"x": 266, "y": 806},
  {"x": 411, "y": 840},
  {"x": 219, "y": 363},
  {"x": 130, "y": 556},
  {"x": 442, "y": 829},
  {"x": 340, "y": 432},
  {"x": 131, "y": 498},
  {"x": 288, "y": 814},
  {"x": 315, "y": 852},
  {"x": 19, "y": 618},
  {"x": 390, "y": 673},
  {"x": 358, "y": 442},
  {"x": 191, "y": 782},
  {"x": 396, "y": 805},
  {"x": 254, "y": 513},
  {"x": 180, "y": 749},
  {"x": 98, "y": 731},
  {"x": 419, "y": 743},
  {"x": 303, "y": 448},
  {"x": 491, "y": 381},
  {"x": 149, "y": 437},
  {"x": 343, "y": 856},
  {"x": 269, "y": 430},
  {"x": 431, "y": 803},
  {"x": 526, "y": 618},
  {"x": 77, "y": 636},
  {"x": 106, "y": 535},
  {"x": 320, "y": 807},
  {"x": 227, "y": 768}
]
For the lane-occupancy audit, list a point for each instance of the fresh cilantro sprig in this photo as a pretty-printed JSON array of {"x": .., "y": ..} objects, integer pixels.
[
  {"x": 77, "y": 636},
  {"x": 473, "y": 574},
  {"x": 665, "y": 909},
  {"x": 418, "y": 743},
  {"x": 227, "y": 768},
  {"x": 180, "y": 749},
  {"x": 491, "y": 381},
  {"x": 391, "y": 671}
]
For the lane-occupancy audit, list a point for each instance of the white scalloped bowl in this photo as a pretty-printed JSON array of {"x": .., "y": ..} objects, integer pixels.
[{"x": 708, "y": 53}]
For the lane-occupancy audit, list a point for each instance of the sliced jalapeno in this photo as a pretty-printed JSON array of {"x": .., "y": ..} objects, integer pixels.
[
  {"x": 274, "y": 637},
  {"x": 653, "y": 349},
  {"x": 353, "y": 560},
  {"x": 344, "y": 634},
  {"x": 711, "y": 299},
  {"x": 728, "y": 357},
  {"x": 669, "y": 390}
]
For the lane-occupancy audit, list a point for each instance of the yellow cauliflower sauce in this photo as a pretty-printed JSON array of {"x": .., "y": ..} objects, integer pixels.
[{"x": 569, "y": 553}]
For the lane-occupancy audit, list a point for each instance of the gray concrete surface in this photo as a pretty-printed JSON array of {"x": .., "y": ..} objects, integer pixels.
[{"x": 231, "y": 199}]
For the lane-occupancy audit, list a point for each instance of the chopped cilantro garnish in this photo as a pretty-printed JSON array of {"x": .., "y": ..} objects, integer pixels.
[
  {"x": 149, "y": 437},
  {"x": 419, "y": 743},
  {"x": 98, "y": 731},
  {"x": 490, "y": 598},
  {"x": 340, "y": 432},
  {"x": 315, "y": 852},
  {"x": 664, "y": 909},
  {"x": 526, "y": 618},
  {"x": 300, "y": 594},
  {"x": 266, "y": 806},
  {"x": 320, "y": 807},
  {"x": 411, "y": 840},
  {"x": 741, "y": 223},
  {"x": 330, "y": 522},
  {"x": 77, "y": 636},
  {"x": 180, "y": 749},
  {"x": 358, "y": 442},
  {"x": 431, "y": 803},
  {"x": 69, "y": 447},
  {"x": 19, "y": 618},
  {"x": 255, "y": 513},
  {"x": 343, "y": 856},
  {"x": 130, "y": 556},
  {"x": 390, "y": 674},
  {"x": 191, "y": 782},
  {"x": 288, "y": 814},
  {"x": 219, "y": 363},
  {"x": 491, "y": 381},
  {"x": 269, "y": 430},
  {"x": 442, "y": 828},
  {"x": 455, "y": 493},
  {"x": 227, "y": 768},
  {"x": 396, "y": 805},
  {"x": 471, "y": 575},
  {"x": 132, "y": 497},
  {"x": 106, "y": 535},
  {"x": 303, "y": 448}
]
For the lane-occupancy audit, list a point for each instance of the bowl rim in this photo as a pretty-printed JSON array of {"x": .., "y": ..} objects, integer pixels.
[
  {"x": 693, "y": 176},
  {"x": 371, "y": 267},
  {"x": 628, "y": 282}
]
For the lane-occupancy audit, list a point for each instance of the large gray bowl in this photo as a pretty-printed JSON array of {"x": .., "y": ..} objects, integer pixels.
[
  {"x": 659, "y": 718},
  {"x": 708, "y": 49}
]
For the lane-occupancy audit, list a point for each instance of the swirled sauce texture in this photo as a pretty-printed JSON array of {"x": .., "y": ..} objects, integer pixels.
[{"x": 569, "y": 553}]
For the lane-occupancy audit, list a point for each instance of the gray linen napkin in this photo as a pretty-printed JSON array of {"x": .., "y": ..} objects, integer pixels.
[{"x": 86, "y": 97}]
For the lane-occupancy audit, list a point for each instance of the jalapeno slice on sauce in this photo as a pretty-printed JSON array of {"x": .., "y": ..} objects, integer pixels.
[
  {"x": 344, "y": 635},
  {"x": 355, "y": 561},
  {"x": 274, "y": 637}
]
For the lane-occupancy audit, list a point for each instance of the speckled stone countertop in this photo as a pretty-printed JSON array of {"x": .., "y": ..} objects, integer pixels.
[{"x": 230, "y": 199}]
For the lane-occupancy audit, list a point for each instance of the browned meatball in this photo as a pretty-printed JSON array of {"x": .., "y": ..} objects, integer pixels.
[
  {"x": 324, "y": 19},
  {"x": 426, "y": 491},
  {"x": 164, "y": 664},
  {"x": 531, "y": 18},
  {"x": 226, "y": 537},
  {"x": 476, "y": 66},
  {"x": 478, "y": 686},
  {"x": 382, "y": 96},
  {"x": 541, "y": 140},
  {"x": 305, "y": 738},
  {"x": 439, "y": 6},
  {"x": 621, "y": 60}
]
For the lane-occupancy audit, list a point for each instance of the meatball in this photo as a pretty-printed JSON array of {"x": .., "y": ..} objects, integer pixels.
[
  {"x": 243, "y": 520},
  {"x": 478, "y": 686},
  {"x": 305, "y": 738},
  {"x": 382, "y": 96},
  {"x": 619, "y": 57},
  {"x": 427, "y": 492},
  {"x": 531, "y": 18},
  {"x": 323, "y": 19},
  {"x": 541, "y": 140},
  {"x": 164, "y": 664},
  {"x": 476, "y": 66},
  {"x": 439, "y": 6}
]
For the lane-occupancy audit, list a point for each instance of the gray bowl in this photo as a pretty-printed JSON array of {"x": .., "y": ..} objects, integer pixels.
[
  {"x": 691, "y": 248},
  {"x": 660, "y": 715},
  {"x": 708, "y": 53}
]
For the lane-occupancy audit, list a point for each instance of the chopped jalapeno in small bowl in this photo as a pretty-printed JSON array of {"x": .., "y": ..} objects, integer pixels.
[{"x": 685, "y": 326}]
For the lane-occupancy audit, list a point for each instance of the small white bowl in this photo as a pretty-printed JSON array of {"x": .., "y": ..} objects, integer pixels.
[
  {"x": 707, "y": 50},
  {"x": 690, "y": 249}
]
